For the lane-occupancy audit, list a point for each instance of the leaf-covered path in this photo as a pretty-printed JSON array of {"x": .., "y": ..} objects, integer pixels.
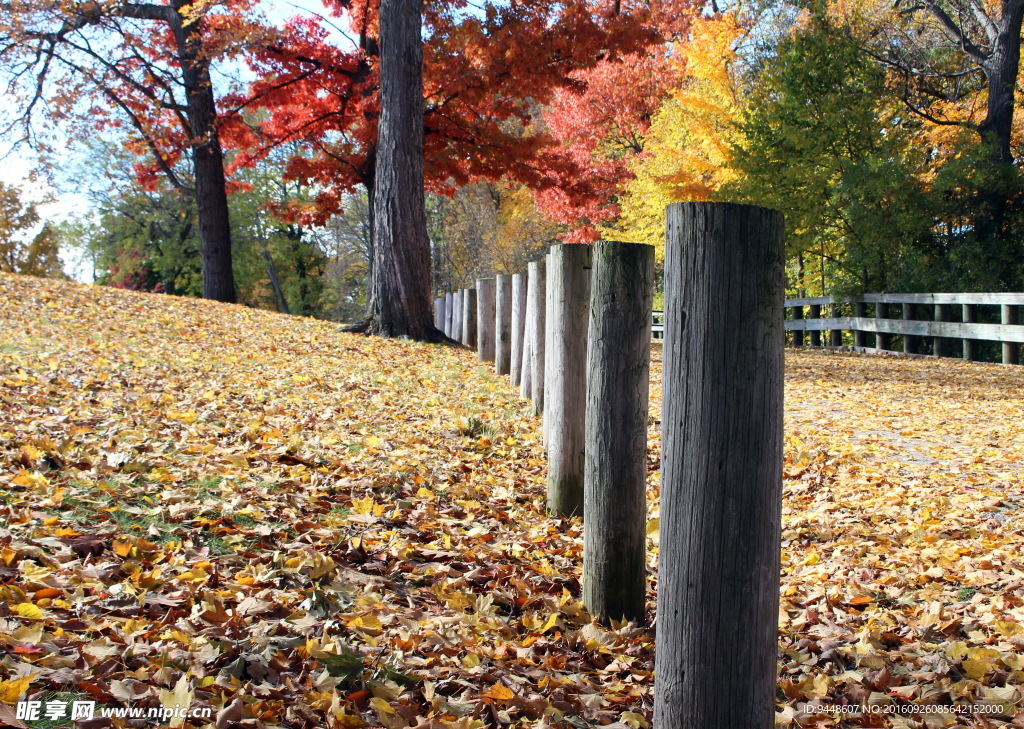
[{"x": 319, "y": 529}]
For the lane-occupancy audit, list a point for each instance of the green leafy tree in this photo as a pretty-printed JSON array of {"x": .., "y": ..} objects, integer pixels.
[
  {"x": 24, "y": 247},
  {"x": 819, "y": 145}
]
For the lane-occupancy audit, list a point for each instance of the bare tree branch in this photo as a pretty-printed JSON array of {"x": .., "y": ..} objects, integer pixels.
[{"x": 954, "y": 32}]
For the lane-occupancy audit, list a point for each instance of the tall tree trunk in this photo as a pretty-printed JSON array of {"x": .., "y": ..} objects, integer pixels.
[
  {"x": 1001, "y": 69},
  {"x": 990, "y": 210},
  {"x": 207, "y": 158},
  {"x": 275, "y": 282},
  {"x": 400, "y": 276}
]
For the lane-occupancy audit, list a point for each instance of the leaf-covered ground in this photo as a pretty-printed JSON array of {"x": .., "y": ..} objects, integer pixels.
[{"x": 296, "y": 527}]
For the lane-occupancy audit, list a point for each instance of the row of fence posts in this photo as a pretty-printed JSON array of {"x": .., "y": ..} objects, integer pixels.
[{"x": 573, "y": 333}]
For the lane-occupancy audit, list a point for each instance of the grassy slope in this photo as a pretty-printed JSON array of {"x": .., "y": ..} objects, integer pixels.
[{"x": 341, "y": 530}]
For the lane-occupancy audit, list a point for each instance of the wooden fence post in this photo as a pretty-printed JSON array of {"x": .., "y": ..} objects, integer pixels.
[
  {"x": 881, "y": 338},
  {"x": 565, "y": 393},
  {"x": 860, "y": 310},
  {"x": 485, "y": 319},
  {"x": 1011, "y": 350},
  {"x": 439, "y": 312},
  {"x": 721, "y": 491},
  {"x": 940, "y": 345},
  {"x": 449, "y": 312},
  {"x": 816, "y": 333},
  {"x": 536, "y": 304},
  {"x": 526, "y": 378},
  {"x": 518, "y": 328},
  {"x": 910, "y": 342},
  {"x": 503, "y": 325},
  {"x": 798, "y": 334},
  {"x": 615, "y": 463},
  {"x": 457, "y": 316},
  {"x": 469, "y": 317},
  {"x": 967, "y": 311},
  {"x": 835, "y": 335}
]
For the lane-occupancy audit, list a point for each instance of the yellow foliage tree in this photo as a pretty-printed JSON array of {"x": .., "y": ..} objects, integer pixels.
[{"x": 686, "y": 151}]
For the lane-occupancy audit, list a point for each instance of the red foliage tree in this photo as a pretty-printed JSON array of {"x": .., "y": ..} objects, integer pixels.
[
  {"x": 599, "y": 126},
  {"x": 485, "y": 77},
  {"x": 147, "y": 64}
]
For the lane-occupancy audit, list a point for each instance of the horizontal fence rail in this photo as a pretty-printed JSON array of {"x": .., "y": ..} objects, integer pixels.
[{"x": 973, "y": 326}]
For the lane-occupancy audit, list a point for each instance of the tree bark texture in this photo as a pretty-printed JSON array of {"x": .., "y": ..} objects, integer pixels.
[
  {"x": 518, "y": 328},
  {"x": 721, "y": 492},
  {"x": 207, "y": 157},
  {"x": 503, "y": 324},
  {"x": 469, "y": 317},
  {"x": 275, "y": 282},
  {"x": 569, "y": 268},
  {"x": 400, "y": 277},
  {"x": 485, "y": 319},
  {"x": 615, "y": 463},
  {"x": 1001, "y": 69},
  {"x": 536, "y": 303}
]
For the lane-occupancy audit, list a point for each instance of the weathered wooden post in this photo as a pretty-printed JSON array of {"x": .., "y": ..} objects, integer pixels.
[
  {"x": 503, "y": 325},
  {"x": 798, "y": 334},
  {"x": 836, "y": 335},
  {"x": 565, "y": 394},
  {"x": 1011, "y": 350},
  {"x": 526, "y": 378},
  {"x": 615, "y": 462},
  {"x": 860, "y": 311},
  {"x": 485, "y": 319},
  {"x": 518, "y": 327},
  {"x": 721, "y": 486},
  {"x": 940, "y": 346},
  {"x": 547, "y": 347},
  {"x": 881, "y": 338},
  {"x": 967, "y": 311},
  {"x": 910, "y": 341},
  {"x": 469, "y": 317},
  {"x": 439, "y": 312},
  {"x": 449, "y": 313},
  {"x": 815, "y": 333},
  {"x": 457, "y": 316},
  {"x": 536, "y": 294}
]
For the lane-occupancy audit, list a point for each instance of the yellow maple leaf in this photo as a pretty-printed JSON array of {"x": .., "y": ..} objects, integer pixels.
[
  {"x": 498, "y": 692},
  {"x": 634, "y": 720},
  {"x": 12, "y": 689},
  {"x": 28, "y": 610},
  {"x": 975, "y": 669}
]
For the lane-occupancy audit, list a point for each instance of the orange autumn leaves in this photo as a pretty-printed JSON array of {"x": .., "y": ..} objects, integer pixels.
[{"x": 297, "y": 527}]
